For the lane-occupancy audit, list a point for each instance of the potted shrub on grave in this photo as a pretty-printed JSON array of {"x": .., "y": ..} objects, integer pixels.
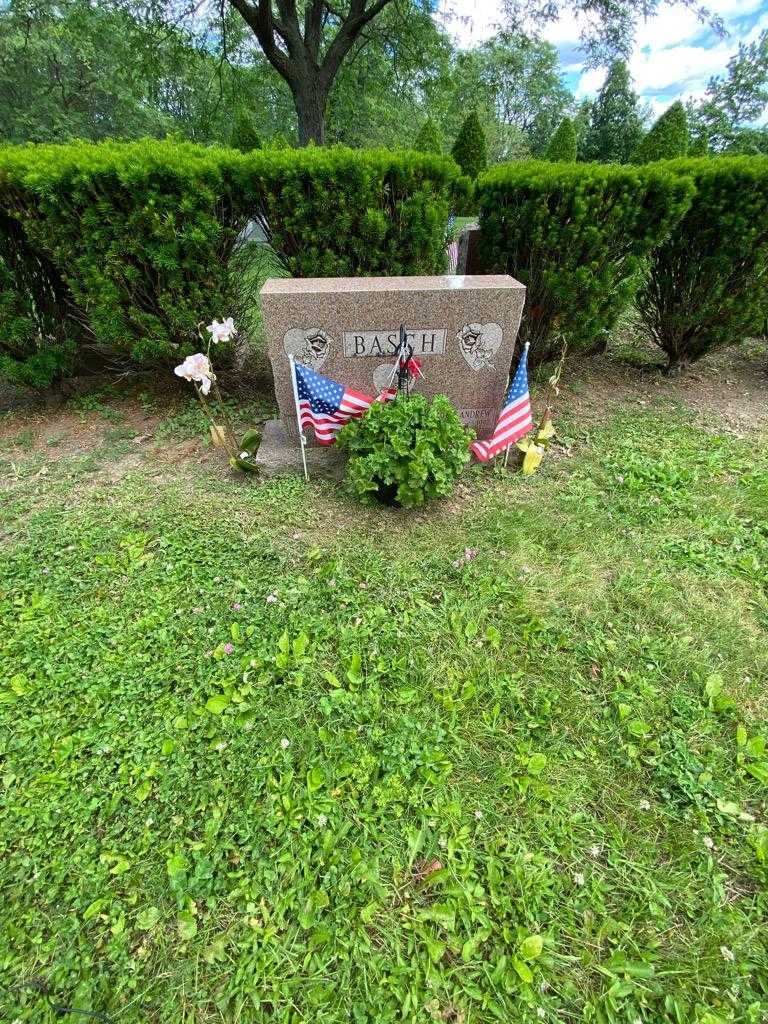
[{"x": 406, "y": 451}]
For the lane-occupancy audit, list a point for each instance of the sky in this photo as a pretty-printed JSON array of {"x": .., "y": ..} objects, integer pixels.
[{"x": 674, "y": 55}]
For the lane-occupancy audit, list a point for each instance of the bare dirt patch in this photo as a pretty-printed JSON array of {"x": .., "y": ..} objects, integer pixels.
[
  {"x": 727, "y": 390},
  {"x": 153, "y": 425}
]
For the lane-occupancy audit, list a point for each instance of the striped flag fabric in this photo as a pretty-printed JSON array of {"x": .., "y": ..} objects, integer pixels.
[
  {"x": 515, "y": 420},
  {"x": 325, "y": 405}
]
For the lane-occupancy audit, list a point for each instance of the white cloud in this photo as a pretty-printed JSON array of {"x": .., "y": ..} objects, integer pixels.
[
  {"x": 674, "y": 56},
  {"x": 590, "y": 82}
]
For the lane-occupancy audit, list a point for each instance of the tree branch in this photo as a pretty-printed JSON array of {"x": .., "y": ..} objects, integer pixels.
[
  {"x": 288, "y": 28},
  {"x": 261, "y": 22},
  {"x": 313, "y": 27},
  {"x": 358, "y": 17}
]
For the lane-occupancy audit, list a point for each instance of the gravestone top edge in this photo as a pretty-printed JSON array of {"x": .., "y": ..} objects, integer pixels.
[{"x": 351, "y": 285}]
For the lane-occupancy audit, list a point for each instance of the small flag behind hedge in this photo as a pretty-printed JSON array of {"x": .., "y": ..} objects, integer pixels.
[{"x": 515, "y": 420}]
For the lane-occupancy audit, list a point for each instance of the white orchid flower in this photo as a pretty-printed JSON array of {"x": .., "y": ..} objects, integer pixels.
[
  {"x": 196, "y": 368},
  {"x": 221, "y": 331}
]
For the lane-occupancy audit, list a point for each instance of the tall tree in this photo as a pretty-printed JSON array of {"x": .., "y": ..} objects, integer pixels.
[
  {"x": 516, "y": 87},
  {"x": 308, "y": 42},
  {"x": 608, "y": 28},
  {"x": 734, "y": 101},
  {"x": 581, "y": 120},
  {"x": 616, "y": 124},
  {"x": 75, "y": 69},
  {"x": 378, "y": 98},
  {"x": 308, "y": 53}
]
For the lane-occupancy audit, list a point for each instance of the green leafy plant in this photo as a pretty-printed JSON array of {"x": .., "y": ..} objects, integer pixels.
[
  {"x": 577, "y": 236},
  {"x": 562, "y": 146},
  {"x": 668, "y": 139},
  {"x": 406, "y": 451},
  {"x": 706, "y": 281}
]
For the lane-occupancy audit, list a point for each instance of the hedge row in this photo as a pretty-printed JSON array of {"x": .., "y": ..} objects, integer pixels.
[
  {"x": 688, "y": 238},
  {"x": 129, "y": 246},
  {"x": 577, "y": 236},
  {"x": 707, "y": 283}
]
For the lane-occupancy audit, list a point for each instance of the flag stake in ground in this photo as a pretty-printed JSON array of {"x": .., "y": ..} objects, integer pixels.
[{"x": 302, "y": 435}]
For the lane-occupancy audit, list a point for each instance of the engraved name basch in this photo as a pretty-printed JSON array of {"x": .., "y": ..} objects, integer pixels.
[{"x": 358, "y": 344}]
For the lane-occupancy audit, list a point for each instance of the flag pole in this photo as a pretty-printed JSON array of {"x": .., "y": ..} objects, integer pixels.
[
  {"x": 302, "y": 436},
  {"x": 506, "y": 453},
  {"x": 398, "y": 356}
]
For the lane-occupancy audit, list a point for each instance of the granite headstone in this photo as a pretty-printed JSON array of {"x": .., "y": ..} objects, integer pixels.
[{"x": 462, "y": 328}]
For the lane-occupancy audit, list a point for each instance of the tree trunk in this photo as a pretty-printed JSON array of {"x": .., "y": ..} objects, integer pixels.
[
  {"x": 310, "y": 100},
  {"x": 297, "y": 57}
]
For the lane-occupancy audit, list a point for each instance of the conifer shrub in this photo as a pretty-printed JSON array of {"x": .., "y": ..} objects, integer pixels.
[
  {"x": 429, "y": 139},
  {"x": 128, "y": 247},
  {"x": 470, "y": 150},
  {"x": 334, "y": 212},
  {"x": 245, "y": 137},
  {"x": 140, "y": 235},
  {"x": 563, "y": 144},
  {"x": 668, "y": 138},
  {"x": 576, "y": 235},
  {"x": 706, "y": 282}
]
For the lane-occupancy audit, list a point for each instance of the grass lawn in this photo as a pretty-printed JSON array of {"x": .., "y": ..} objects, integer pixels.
[{"x": 267, "y": 756}]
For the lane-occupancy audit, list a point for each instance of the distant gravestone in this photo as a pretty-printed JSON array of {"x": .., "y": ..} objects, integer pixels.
[
  {"x": 462, "y": 329},
  {"x": 468, "y": 261}
]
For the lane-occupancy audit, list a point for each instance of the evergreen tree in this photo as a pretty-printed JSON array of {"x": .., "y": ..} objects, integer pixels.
[
  {"x": 699, "y": 146},
  {"x": 668, "y": 139},
  {"x": 429, "y": 139},
  {"x": 562, "y": 145},
  {"x": 469, "y": 150},
  {"x": 244, "y": 134},
  {"x": 615, "y": 126},
  {"x": 581, "y": 120}
]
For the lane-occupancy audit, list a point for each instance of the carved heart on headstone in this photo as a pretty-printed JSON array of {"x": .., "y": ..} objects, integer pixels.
[
  {"x": 479, "y": 343},
  {"x": 383, "y": 377},
  {"x": 311, "y": 347}
]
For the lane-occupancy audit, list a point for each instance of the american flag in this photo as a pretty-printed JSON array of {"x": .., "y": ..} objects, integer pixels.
[
  {"x": 325, "y": 405},
  {"x": 515, "y": 420}
]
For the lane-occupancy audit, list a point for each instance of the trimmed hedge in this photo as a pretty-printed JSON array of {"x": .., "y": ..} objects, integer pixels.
[
  {"x": 707, "y": 281},
  {"x": 576, "y": 235},
  {"x": 332, "y": 212},
  {"x": 128, "y": 246}
]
